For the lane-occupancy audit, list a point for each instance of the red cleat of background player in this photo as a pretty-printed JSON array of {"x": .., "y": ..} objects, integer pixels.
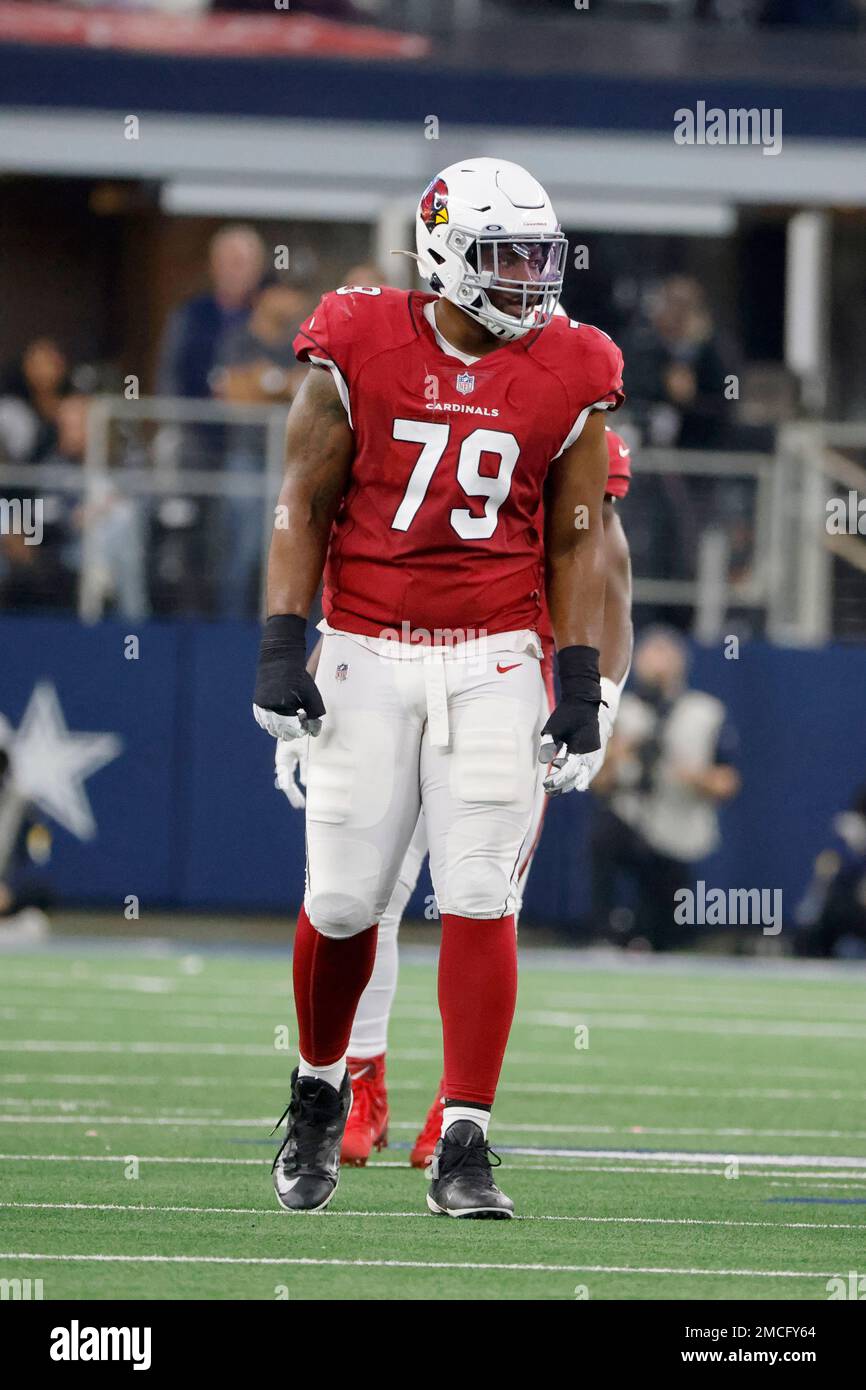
[
  {"x": 422, "y": 1150},
  {"x": 367, "y": 1125}
]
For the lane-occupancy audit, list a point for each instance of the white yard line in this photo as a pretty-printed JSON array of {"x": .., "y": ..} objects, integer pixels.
[
  {"x": 739, "y": 1027},
  {"x": 161, "y": 1002},
  {"x": 199, "y": 988},
  {"x": 180, "y": 1017},
  {"x": 176, "y": 983},
  {"x": 667, "y": 1001},
  {"x": 200, "y": 1011},
  {"x": 540, "y": 1061},
  {"x": 679, "y": 1170},
  {"x": 686, "y": 1156},
  {"x": 61, "y": 1045},
  {"x": 587, "y": 1220},
  {"x": 264, "y": 1122},
  {"x": 79, "y": 959},
  {"x": 427, "y": 1020},
  {"x": 679, "y": 1165},
  {"x": 422, "y": 1264},
  {"x": 406, "y": 1084},
  {"x": 203, "y": 1113},
  {"x": 140, "y": 1158},
  {"x": 683, "y": 1131}
]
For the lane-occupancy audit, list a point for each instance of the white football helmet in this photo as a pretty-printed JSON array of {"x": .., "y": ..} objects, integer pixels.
[{"x": 489, "y": 240}]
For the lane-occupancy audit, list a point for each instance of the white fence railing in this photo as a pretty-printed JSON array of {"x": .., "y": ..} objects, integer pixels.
[{"x": 155, "y": 454}]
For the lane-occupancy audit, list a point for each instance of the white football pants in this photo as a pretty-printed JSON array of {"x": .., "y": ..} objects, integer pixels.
[
  {"x": 454, "y": 734},
  {"x": 370, "y": 1028}
]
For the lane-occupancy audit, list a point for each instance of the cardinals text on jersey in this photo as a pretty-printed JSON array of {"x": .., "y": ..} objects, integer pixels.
[{"x": 439, "y": 524}]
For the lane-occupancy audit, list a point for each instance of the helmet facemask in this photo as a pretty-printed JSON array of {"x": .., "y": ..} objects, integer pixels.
[{"x": 510, "y": 283}]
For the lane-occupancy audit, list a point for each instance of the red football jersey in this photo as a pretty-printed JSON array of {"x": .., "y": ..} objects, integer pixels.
[{"x": 438, "y": 528}]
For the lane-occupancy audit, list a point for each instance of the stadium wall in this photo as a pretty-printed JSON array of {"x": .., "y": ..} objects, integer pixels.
[
  {"x": 107, "y": 79},
  {"x": 187, "y": 814}
]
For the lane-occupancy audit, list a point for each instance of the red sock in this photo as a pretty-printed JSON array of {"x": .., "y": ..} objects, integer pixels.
[
  {"x": 330, "y": 975},
  {"x": 477, "y": 994}
]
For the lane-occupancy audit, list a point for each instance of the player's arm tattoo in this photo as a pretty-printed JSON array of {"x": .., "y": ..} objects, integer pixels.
[
  {"x": 574, "y": 538},
  {"x": 319, "y": 450}
]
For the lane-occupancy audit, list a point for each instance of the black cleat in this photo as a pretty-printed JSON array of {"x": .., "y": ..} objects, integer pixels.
[
  {"x": 461, "y": 1182},
  {"x": 307, "y": 1166}
]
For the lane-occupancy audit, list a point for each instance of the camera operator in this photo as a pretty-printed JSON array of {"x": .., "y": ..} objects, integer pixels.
[{"x": 669, "y": 767}]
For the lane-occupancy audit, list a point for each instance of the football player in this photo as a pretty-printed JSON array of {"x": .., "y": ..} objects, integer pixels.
[
  {"x": 367, "y": 1126},
  {"x": 432, "y": 435}
]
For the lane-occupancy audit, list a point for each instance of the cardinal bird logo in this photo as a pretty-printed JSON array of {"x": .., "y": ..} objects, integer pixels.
[{"x": 434, "y": 204}]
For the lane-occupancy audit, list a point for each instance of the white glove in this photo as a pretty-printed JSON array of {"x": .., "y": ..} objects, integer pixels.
[
  {"x": 573, "y": 772},
  {"x": 286, "y": 726},
  {"x": 291, "y": 768}
]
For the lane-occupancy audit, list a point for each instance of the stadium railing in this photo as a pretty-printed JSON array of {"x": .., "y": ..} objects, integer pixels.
[
  {"x": 710, "y": 532},
  {"x": 819, "y": 533}
]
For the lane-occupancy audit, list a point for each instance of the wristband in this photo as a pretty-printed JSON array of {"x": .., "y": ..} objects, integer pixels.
[
  {"x": 578, "y": 674},
  {"x": 286, "y": 631}
]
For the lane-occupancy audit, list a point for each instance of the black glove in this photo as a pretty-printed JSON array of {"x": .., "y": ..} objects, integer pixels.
[
  {"x": 283, "y": 683},
  {"x": 574, "y": 722}
]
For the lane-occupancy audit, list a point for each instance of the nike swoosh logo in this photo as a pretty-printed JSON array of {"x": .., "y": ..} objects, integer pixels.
[
  {"x": 353, "y": 1075},
  {"x": 503, "y": 669},
  {"x": 624, "y": 453}
]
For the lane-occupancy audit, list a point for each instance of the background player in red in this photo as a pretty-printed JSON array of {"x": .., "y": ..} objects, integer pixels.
[
  {"x": 417, "y": 470},
  {"x": 367, "y": 1126}
]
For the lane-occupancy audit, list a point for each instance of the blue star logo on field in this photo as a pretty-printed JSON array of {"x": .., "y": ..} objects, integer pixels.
[
  {"x": 50, "y": 764},
  {"x": 465, "y": 383}
]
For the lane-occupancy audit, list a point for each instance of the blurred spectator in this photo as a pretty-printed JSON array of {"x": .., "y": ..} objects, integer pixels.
[
  {"x": 676, "y": 390},
  {"x": 189, "y": 534},
  {"x": 367, "y": 274},
  {"x": 669, "y": 766},
  {"x": 18, "y": 430},
  {"x": 33, "y": 566},
  {"x": 195, "y": 331},
  {"x": 676, "y": 370},
  {"x": 831, "y": 919},
  {"x": 38, "y": 381},
  {"x": 110, "y": 524},
  {"x": 256, "y": 366},
  {"x": 35, "y": 576},
  {"x": 256, "y": 362}
]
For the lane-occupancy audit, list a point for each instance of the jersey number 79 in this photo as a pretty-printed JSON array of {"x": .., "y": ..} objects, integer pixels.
[{"x": 434, "y": 438}]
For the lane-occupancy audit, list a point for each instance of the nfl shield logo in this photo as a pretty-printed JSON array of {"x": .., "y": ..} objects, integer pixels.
[
  {"x": 342, "y": 671},
  {"x": 465, "y": 383}
]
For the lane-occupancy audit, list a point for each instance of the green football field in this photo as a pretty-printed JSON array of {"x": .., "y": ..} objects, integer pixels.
[{"x": 668, "y": 1129}]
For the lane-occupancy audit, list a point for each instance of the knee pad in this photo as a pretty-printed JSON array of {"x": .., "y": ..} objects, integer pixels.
[
  {"x": 338, "y": 915},
  {"x": 343, "y": 877},
  {"x": 478, "y": 888}
]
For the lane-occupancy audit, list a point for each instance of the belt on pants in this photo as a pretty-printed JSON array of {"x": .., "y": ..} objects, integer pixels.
[{"x": 436, "y": 691}]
